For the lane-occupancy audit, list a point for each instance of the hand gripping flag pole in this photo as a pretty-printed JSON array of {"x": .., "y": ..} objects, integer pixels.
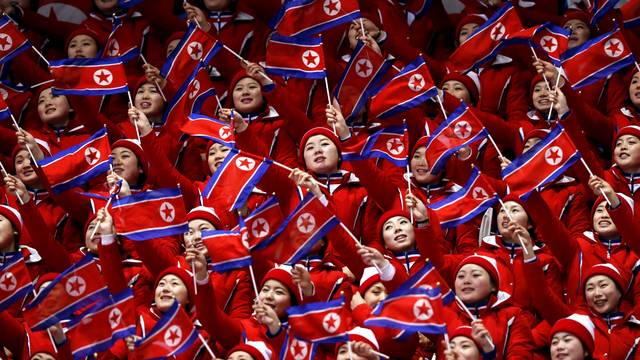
[
  {"x": 5, "y": 174},
  {"x": 154, "y": 81}
]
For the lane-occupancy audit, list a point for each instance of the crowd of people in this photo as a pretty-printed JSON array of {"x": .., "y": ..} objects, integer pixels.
[{"x": 550, "y": 277}]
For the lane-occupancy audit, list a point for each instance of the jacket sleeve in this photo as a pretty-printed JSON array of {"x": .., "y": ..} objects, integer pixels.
[
  {"x": 520, "y": 345},
  {"x": 13, "y": 335},
  {"x": 113, "y": 273},
  {"x": 628, "y": 227},
  {"x": 545, "y": 301},
  {"x": 222, "y": 328}
]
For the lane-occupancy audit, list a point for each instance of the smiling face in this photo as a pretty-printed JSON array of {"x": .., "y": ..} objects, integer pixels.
[
  {"x": 216, "y": 155},
  {"x": 626, "y": 153},
  {"x": 355, "y": 32},
  {"x": 420, "y": 168},
  {"x": 91, "y": 243},
  {"x": 634, "y": 90},
  {"x": 374, "y": 294},
  {"x": 170, "y": 288},
  {"x": 465, "y": 347},
  {"x": 398, "y": 234},
  {"x": 321, "y": 155},
  {"x": 82, "y": 46},
  {"x": 275, "y": 295},
  {"x": 603, "y": 224},
  {"x": 529, "y": 144},
  {"x": 125, "y": 165},
  {"x": 602, "y": 294},
  {"x": 194, "y": 234},
  {"x": 473, "y": 284},
  {"x": 345, "y": 354},
  {"x": 25, "y": 171},
  {"x": 457, "y": 89},
  {"x": 580, "y": 32},
  {"x": 517, "y": 213},
  {"x": 53, "y": 109},
  {"x": 540, "y": 97},
  {"x": 247, "y": 96},
  {"x": 149, "y": 100},
  {"x": 565, "y": 346}
]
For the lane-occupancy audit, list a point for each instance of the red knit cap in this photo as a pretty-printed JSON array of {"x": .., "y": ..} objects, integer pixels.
[
  {"x": 465, "y": 331},
  {"x": 579, "y": 326},
  {"x": 388, "y": 215},
  {"x": 48, "y": 277},
  {"x": 619, "y": 276},
  {"x": 628, "y": 130},
  {"x": 574, "y": 14},
  {"x": 40, "y": 343},
  {"x": 485, "y": 262},
  {"x": 370, "y": 276},
  {"x": 257, "y": 349},
  {"x": 205, "y": 213},
  {"x": 600, "y": 199},
  {"x": 174, "y": 36},
  {"x": 282, "y": 274},
  {"x": 182, "y": 274},
  {"x": 420, "y": 143},
  {"x": 234, "y": 80},
  {"x": 536, "y": 133},
  {"x": 318, "y": 131},
  {"x": 469, "y": 80},
  {"x": 137, "y": 151},
  {"x": 82, "y": 30},
  {"x": 13, "y": 216},
  {"x": 469, "y": 19}
]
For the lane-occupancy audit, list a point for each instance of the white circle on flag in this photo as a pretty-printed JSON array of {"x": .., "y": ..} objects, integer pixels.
[
  {"x": 6, "y": 42},
  {"x": 75, "y": 286},
  {"x": 422, "y": 309},
  {"x": 298, "y": 349},
  {"x": 497, "y": 32},
  {"x": 91, "y": 155},
  {"x": 245, "y": 163},
  {"x": 306, "y": 223},
  {"x": 195, "y": 50},
  {"x": 553, "y": 155},
  {"x": 4, "y": 94},
  {"x": 167, "y": 212},
  {"x": 395, "y": 146},
  {"x": 114, "y": 48},
  {"x": 224, "y": 132},
  {"x": 549, "y": 43},
  {"x": 103, "y": 77},
  {"x": 462, "y": 129},
  {"x": 115, "y": 315},
  {"x": 416, "y": 82},
  {"x": 331, "y": 322},
  {"x": 8, "y": 282},
  {"x": 613, "y": 48},
  {"x": 364, "y": 68},
  {"x": 331, "y": 7},
  {"x": 260, "y": 228},
  {"x": 172, "y": 336},
  {"x": 479, "y": 193},
  {"x": 195, "y": 88},
  {"x": 310, "y": 59}
]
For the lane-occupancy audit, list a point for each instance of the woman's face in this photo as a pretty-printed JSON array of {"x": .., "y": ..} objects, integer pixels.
[
  {"x": 215, "y": 157},
  {"x": 540, "y": 97},
  {"x": 82, "y": 46},
  {"x": 7, "y": 237},
  {"x": 465, "y": 31},
  {"x": 91, "y": 243},
  {"x": 125, "y": 165},
  {"x": 217, "y": 5},
  {"x": 149, "y": 100},
  {"x": 634, "y": 90},
  {"x": 172, "y": 45},
  {"x": 517, "y": 213},
  {"x": 170, "y": 287},
  {"x": 106, "y": 7},
  {"x": 420, "y": 169},
  {"x": 343, "y": 354},
  {"x": 465, "y": 347},
  {"x": 24, "y": 171},
  {"x": 194, "y": 234},
  {"x": 321, "y": 155},
  {"x": 580, "y": 32},
  {"x": 275, "y": 295},
  {"x": 627, "y": 153},
  {"x": 374, "y": 294},
  {"x": 602, "y": 294},
  {"x": 565, "y": 346},
  {"x": 473, "y": 284},
  {"x": 398, "y": 234},
  {"x": 603, "y": 224},
  {"x": 355, "y": 31},
  {"x": 247, "y": 96},
  {"x": 240, "y": 355},
  {"x": 53, "y": 109},
  {"x": 529, "y": 144},
  {"x": 457, "y": 89},
  {"x": 42, "y": 356}
]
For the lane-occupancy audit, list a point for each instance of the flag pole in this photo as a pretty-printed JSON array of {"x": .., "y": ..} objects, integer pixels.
[
  {"x": 55, "y": 348},
  {"x": 554, "y": 89},
  {"x": 584, "y": 163},
  {"x": 506, "y": 211},
  {"x": 446, "y": 340},
  {"x": 404, "y": 121},
  {"x": 326, "y": 87},
  {"x": 466, "y": 310},
  {"x": 637, "y": 65},
  {"x": 441, "y": 106},
  {"x": 244, "y": 61},
  {"x": 219, "y": 103},
  {"x": 155, "y": 81},
  {"x": 493, "y": 143},
  {"x": 253, "y": 281},
  {"x": 6, "y": 174},
  {"x": 40, "y": 55},
  {"x": 349, "y": 349},
  {"x": 535, "y": 56},
  {"x": 15, "y": 123},
  {"x": 204, "y": 342},
  {"x": 135, "y": 123},
  {"x": 193, "y": 272}
]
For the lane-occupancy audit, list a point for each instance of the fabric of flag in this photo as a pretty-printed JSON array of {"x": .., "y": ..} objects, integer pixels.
[
  {"x": 190, "y": 96},
  {"x": 630, "y": 14},
  {"x": 235, "y": 178},
  {"x": 195, "y": 49},
  {"x": 16, "y": 96},
  {"x": 120, "y": 43},
  {"x": 12, "y": 40},
  {"x": 413, "y": 310},
  {"x": 98, "y": 328},
  {"x": 474, "y": 198},
  {"x": 89, "y": 77},
  {"x": 460, "y": 129},
  {"x": 125, "y": 4},
  {"x": 541, "y": 164},
  {"x": 600, "y": 8},
  {"x": 418, "y": 7},
  {"x": 485, "y": 42},
  {"x": 228, "y": 250},
  {"x": 171, "y": 335},
  {"x": 360, "y": 80},
  {"x": 150, "y": 214},
  {"x": 263, "y": 222},
  {"x": 15, "y": 281},
  {"x": 320, "y": 322},
  {"x": 297, "y": 349},
  {"x": 303, "y": 18},
  {"x": 78, "y": 164},
  {"x": 295, "y": 57},
  {"x": 428, "y": 277},
  {"x": 4, "y": 110},
  {"x": 390, "y": 143},
  {"x": 596, "y": 59},
  {"x": 78, "y": 286},
  {"x": 303, "y": 228},
  {"x": 209, "y": 128},
  {"x": 408, "y": 89},
  {"x": 553, "y": 40}
]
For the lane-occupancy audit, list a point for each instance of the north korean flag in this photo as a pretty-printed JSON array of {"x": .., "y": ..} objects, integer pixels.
[
  {"x": 15, "y": 281},
  {"x": 209, "y": 128},
  {"x": 390, "y": 143},
  {"x": 195, "y": 49},
  {"x": 303, "y": 228},
  {"x": 630, "y": 14},
  {"x": 541, "y": 164},
  {"x": 596, "y": 59},
  {"x": 125, "y": 4},
  {"x": 303, "y": 18},
  {"x": 189, "y": 97},
  {"x": 428, "y": 277},
  {"x": 320, "y": 322},
  {"x": 485, "y": 42},
  {"x": 418, "y": 7},
  {"x": 171, "y": 335},
  {"x": 89, "y": 77},
  {"x": 409, "y": 88},
  {"x": 78, "y": 164},
  {"x": 79, "y": 285},
  {"x": 413, "y": 310},
  {"x": 263, "y": 222},
  {"x": 360, "y": 80},
  {"x": 150, "y": 214},
  {"x": 98, "y": 328},
  {"x": 12, "y": 40},
  {"x": 460, "y": 129},
  {"x": 553, "y": 40},
  {"x": 228, "y": 250},
  {"x": 120, "y": 43},
  {"x": 473, "y": 198},
  {"x": 297, "y": 349},
  {"x": 16, "y": 96},
  {"x": 600, "y": 8},
  {"x": 234, "y": 179},
  {"x": 295, "y": 57},
  {"x": 4, "y": 110}
]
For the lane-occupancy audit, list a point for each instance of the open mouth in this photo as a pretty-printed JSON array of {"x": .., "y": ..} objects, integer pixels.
[
  {"x": 319, "y": 159},
  {"x": 400, "y": 238},
  {"x": 145, "y": 104},
  {"x": 246, "y": 100},
  {"x": 50, "y": 110}
]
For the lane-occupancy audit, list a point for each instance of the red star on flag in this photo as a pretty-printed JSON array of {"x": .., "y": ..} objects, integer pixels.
[
  {"x": 310, "y": 59},
  {"x": 332, "y": 6},
  {"x": 167, "y": 211}
]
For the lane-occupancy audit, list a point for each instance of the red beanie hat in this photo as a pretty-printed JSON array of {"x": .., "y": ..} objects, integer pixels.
[
  {"x": 465, "y": 331},
  {"x": 136, "y": 149},
  {"x": 470, "y": 81},
  {"x": 420, "y": 143},
  {"x": 13, "y": 216},
  {"x": 468, "y": 19},
  {"x": 39, "y": 342},
  {"x": 536, "y": 133},
  {"x": 282, "y": 273},
  {"x": 574, "y": 14},
  {"x": 257, "y": 349},
  {"x": 174, "y": 36},
  {"x": 619, "y": 276},
  {"x": 48, "y": 277},
  {"x": 82, "y": 30},
  {"x": 628, "y": 130},
  {"x": 205, "y": 213},
  {"x": 485, "y": 262},
  {"x": 369, "y": 277},
  {"x": 579, "y": 326},
  {"x": 388, "y": 215},
  {"x": 184, "y": 275},
  {"x": 318, "y": 131}
]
